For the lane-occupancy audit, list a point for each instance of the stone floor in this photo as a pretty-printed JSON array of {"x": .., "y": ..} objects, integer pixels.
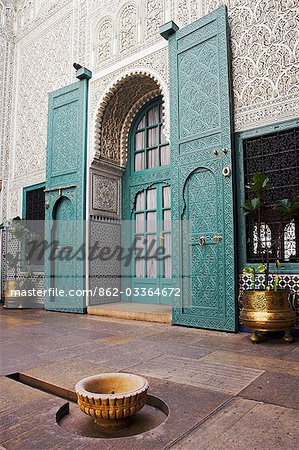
[{"x": 221, "y": 390}]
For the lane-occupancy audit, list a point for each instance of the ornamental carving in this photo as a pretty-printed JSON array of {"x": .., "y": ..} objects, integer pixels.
[
  {"x": 123, "y": 99},
  {"x": 33, "y": 89},
  {"x": 153, "y": 17},
  {"x": 128, "y": 28},
  {"x": 126, "y": 96},
  {"x": 32, "y": 13},
  {"x": 264, "y": 41},
  {"x": 200, "y": 93},
  {"x": 185, "y": 11},
  {"x": 7, "y": 49},
  {"x": 260, "y": 301},
  {"x": 154, "y": 67},
  {"x": 105, "y": 194},
  {"x": 105, "y": 41}
]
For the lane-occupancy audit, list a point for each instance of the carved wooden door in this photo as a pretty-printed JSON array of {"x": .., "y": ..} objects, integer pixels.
[
  {"x": 65, "y": 194},
  {"x": 202, "y": 185}
]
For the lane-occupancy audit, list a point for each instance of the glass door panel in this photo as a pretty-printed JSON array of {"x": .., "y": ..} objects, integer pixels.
[
  {"x": 149, "y": 156},
  {"x": 152, "y": 229}
]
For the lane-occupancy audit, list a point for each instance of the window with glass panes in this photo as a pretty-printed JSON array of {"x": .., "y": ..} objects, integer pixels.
[
  {"x": 152, "y": 220},
  {"x": 149, "y": 153},
  {"x": 151, "y": 148}
]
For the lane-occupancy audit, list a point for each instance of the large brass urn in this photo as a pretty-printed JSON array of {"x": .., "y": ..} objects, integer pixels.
[{"x": 263, "y": 311}]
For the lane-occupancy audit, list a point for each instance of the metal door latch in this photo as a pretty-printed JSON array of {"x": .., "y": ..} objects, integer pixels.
[
  {"x": 202, "y": 241},
  {"x": 217, "y": 237}
]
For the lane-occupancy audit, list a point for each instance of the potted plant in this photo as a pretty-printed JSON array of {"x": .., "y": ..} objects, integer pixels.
[
  {"x": 267, "y": 307},
  {"x": 21, "y": 276}
]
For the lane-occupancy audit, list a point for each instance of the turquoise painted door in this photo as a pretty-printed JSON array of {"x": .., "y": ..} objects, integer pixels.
[
  {"x": 65, "y": 195},
  {"x": 202, "y": 182},
  {"x": 147, "y": 209}
]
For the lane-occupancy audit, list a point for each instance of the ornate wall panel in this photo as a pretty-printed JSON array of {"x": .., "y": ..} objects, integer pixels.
[
  {"x": 105, "y": 41},
  {"x": 184, "y": 12},
  {"x": 32, "y": 13},
  {"x": 36, "y": 77},
  {"x": 264, "y": 41},
  {"x": 6, "y": 92},
  {"x": 154, "y": 17},
  {"x": 127, "y": 28},
  {"x": 104, "y": 272},
  {"x": 105, "y": 190}
]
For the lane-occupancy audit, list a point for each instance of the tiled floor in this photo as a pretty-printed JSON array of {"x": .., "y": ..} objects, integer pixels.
[{"x": 222, "y": 391}]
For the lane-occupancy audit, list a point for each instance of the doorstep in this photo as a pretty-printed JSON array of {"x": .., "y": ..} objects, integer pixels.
[{"x": 133, "y": 311}]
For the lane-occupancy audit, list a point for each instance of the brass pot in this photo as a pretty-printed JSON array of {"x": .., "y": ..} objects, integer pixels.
[
  {"x": 10, "y": 285},
  {"x": 267, "y": 311}
]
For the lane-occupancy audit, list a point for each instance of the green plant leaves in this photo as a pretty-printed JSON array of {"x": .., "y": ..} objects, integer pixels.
[
  {"x": 288, "y": 206},
  {"x": 252, "y": 205},
  {"x": 260, "y": 183}
]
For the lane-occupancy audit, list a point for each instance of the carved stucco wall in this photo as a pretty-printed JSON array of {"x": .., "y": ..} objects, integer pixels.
[
  {"x": 51, "y": 34},
  {"x": 122, "y": 27},
  {"x": 264, "y": 45},
  {"x": 6, "y": 76},
  {"x": 47, "y": 41},
  {"x": 265, "y": 59}
]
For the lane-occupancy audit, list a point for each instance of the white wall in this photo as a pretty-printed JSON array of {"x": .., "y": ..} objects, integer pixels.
[{"x": 52, "y": 34}]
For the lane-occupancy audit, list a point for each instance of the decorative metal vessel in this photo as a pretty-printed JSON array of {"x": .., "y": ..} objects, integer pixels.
[
  {"x": 263, "y": 311},
  {"x": 111, "y": 398},
  {"x": 10, "y": 285}
]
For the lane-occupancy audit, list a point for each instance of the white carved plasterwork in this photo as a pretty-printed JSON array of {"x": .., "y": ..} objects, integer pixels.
[
  {"x": 154, "y": 17},
  {"x": 153, "y": 66},
  {"x": 127, "y": 28},
  {"x": 125, "y": 95},
  {"x": 32, "y": 13},
  {"x": 135, "y": 26},
  {"x": 265, "y": 59},
  {"x": 14, "y": 203},
  {"x": 184, "y": 12},
  {"x": 81, "y": 37},
  {"x": 105, "y": 41},
  {"x": 39, "y": 75},
  {"x": 6, "y": 92}
]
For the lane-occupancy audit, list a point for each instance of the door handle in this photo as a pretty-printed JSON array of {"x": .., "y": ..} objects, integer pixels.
[
  {"x": 217, "y": 237},
  {"x": 202, "y": 241}
]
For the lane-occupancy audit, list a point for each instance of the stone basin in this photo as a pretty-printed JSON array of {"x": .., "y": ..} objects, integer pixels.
[{"x": 111, "y": 398}]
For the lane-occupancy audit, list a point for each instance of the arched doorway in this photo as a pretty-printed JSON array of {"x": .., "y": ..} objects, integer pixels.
[
  {"x": 146, "y": 205},
  {"x": 111, "y": 173}
]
